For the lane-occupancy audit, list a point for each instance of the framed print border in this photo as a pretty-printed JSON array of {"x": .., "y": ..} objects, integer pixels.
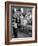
[{"x": 7, "y": 22}]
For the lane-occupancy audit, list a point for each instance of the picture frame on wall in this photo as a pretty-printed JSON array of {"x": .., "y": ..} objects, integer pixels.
[{"x": 20, "y": 22}]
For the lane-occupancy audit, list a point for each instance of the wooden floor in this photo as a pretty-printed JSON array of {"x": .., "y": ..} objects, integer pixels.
[{"x": 24, "y": 33}]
